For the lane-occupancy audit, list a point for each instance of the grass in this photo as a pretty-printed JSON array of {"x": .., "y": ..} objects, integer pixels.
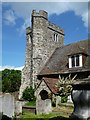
[
  {"x": 44, "y": 116},
  {"x": 63, "y": 110},
  {"x": 65, "y": 107},
  {"x": 31, "y": 103},
  {"x": 60, "y": 111}
]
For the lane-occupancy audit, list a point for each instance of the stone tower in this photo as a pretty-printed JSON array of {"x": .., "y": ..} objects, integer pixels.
[{"x": 41, "y": 41}]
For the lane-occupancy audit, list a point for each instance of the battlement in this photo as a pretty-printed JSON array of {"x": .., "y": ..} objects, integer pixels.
[
  {"x": 28, "y": 30},
  {"x": 44, "y": 14},
  {"x": 55, "y": 28},
  {"x": 41, "y": 13}
]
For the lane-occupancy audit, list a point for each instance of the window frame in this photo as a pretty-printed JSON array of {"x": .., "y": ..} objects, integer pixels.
[{"x": 75, "y": 63}]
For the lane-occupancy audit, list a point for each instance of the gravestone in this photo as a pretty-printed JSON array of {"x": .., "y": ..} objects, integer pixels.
[
  {"x": 18, "y": 107},
  {"x": 43, "y": 106},
  {"x": 8, "y": 105},
  {"x": 58, "y": 100},
  {"x": 69, "y": 99}
]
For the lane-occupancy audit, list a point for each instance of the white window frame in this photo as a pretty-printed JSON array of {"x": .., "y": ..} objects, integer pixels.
[{"x": 80, "y": 61}]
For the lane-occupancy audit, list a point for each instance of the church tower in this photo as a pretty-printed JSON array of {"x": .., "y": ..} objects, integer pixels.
[{"x": 41, "y": 41}]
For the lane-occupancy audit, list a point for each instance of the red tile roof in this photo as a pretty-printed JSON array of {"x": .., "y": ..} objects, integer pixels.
[{"x": 51, "y": 82}]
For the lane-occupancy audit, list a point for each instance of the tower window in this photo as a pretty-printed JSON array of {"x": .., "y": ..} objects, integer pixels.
[
  {"x": 75, "y": 61},
  {"x": 55, "y": 37}
]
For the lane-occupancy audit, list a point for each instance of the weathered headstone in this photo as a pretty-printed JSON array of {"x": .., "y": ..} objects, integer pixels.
[
  {"x": 18, "y": 107},
  {"x": 8, "y": 105},
  {"x": 58, "y": 100},
  {"x": 43, "y": 106}
]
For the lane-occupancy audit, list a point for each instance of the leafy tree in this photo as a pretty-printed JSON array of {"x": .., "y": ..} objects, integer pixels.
[
  {"x": 28, "y": 94},
  {"x": 11, "y": 80}
]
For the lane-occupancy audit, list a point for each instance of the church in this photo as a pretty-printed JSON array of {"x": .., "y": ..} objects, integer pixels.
[{"x": 48, "y": 58}]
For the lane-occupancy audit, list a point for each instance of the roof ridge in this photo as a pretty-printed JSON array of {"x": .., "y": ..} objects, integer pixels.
[{"x": 77, "y": 42}]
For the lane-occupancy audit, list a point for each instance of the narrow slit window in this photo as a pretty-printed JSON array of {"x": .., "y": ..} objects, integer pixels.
[{"x": 55, "y": 37}]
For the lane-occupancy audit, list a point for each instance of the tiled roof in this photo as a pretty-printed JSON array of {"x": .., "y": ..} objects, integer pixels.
[
  {"x": 51, "y": 82},
  {"x": 58, "y": 62}
]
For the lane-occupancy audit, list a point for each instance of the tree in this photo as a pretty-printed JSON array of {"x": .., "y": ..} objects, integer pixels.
[
  {"x": 11, "y": 80},
  {"x": 65, "y": 86},
  {"x": 28, "y": 94}
]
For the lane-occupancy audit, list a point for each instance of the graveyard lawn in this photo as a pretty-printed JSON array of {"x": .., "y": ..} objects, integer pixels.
[
  {"x": 31, "y": 103},
  {"x": 43, "y": 116},
  {"x": 63, "y": 110},
  {"x": 66, "y": 108}
]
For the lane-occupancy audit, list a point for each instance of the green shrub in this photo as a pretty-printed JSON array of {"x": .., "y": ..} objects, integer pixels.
[
  {"x": 64, "y": 99},
  {"x": 28, "y": 94},
  {"x": 31, "y": 103}
]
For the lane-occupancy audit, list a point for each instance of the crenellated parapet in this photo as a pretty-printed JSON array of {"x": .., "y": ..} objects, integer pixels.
[
  {"x": 55, "y": 28},
  {"x": 52, "y": 26},
  {"x": 41, "y": 13}
]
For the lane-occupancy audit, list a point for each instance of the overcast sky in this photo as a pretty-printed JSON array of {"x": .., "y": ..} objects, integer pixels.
[{"x": 16, "y": 16}]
